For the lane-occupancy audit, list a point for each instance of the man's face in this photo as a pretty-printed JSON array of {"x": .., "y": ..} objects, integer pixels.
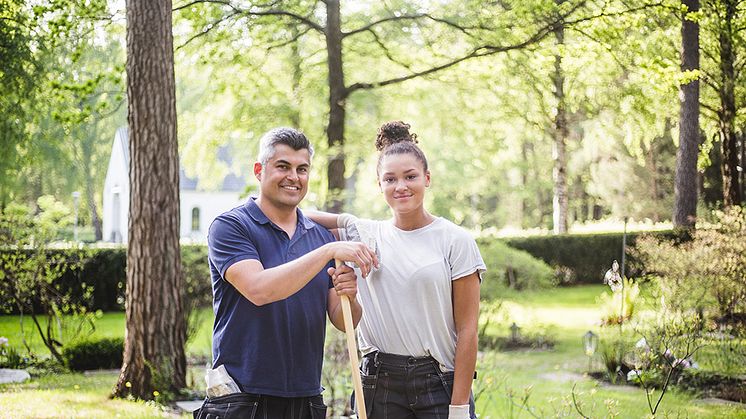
[{"x": 283, "y": 180}]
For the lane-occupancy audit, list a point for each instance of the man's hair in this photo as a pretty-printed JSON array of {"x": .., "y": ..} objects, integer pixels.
[{"x": 289, "y": 136}]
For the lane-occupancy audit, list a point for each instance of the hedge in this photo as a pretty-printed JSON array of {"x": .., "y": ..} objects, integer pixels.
[
  {"x": 588, "y": 256},
  {"x": 94, "y": 354},
  {"x": 105, "y": 270}
]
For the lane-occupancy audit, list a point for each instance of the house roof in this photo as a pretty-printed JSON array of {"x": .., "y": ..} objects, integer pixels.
[{"x": 231, "y": 182}]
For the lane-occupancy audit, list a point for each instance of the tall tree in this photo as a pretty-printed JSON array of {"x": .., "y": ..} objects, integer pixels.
[
  {"x": 155, "y": 333},
  {"x": 559, "y": 134},
  {"x": 479, "y": 40},
  {"x": 685, "y": 186},
  {"x": 721, "y": 24}
]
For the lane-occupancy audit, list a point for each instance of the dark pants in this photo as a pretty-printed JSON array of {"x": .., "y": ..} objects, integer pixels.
[
  {"x": 402, "y": 387},
  {"x": 254, "y": 406}
]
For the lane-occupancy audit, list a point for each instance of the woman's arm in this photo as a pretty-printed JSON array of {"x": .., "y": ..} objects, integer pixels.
[
  {"x": 465, "y": 316},
  {"x": 324, "y": 219}
]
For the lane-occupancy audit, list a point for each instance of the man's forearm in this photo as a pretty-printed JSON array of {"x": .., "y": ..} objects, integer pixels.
[{"x": 280, "y": 282}]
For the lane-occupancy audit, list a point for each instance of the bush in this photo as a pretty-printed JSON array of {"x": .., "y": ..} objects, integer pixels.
[
  {"x": 105, "y": 353},
  {"x": 582, "y": 257},
  {"x": 512, "y": 268},
  {"x": 706, "y": 274}
]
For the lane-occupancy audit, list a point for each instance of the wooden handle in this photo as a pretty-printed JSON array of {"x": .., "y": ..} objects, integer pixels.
[{"x": 352, "y": 352}]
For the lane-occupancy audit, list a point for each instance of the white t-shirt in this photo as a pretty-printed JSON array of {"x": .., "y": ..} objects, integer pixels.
[{"x": 407, "y": 302}]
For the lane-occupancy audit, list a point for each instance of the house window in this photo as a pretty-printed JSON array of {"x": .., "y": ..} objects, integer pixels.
[{"x": 195, "y": 219}]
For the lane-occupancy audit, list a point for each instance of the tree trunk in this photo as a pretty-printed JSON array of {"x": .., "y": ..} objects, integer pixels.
[
  {"x": 155, "y": 332},
  {"x": 337, "y": 96},
  {"x": 559, "y": 174},
  {"x": 727, "y": 111},
  {"x": 685, "y": 185}
]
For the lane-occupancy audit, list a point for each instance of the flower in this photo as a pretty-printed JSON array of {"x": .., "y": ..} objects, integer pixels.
[
  {"x": 3, "y": 341},
  {"x": 128, "y": 384},
  {"x": 156, "y": 393}
]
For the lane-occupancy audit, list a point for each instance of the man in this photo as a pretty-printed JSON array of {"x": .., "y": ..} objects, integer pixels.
[{"x": 270, "y": 268}]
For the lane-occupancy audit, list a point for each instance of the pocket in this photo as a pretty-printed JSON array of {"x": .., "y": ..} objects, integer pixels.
[
  {"x": 318, "y": 408},
  {"x": 238, "y": 405},
  {"x": 370, "y": 383}
]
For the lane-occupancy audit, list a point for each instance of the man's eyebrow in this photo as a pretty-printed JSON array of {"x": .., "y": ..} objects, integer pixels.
[{"x": 281, "y": 161}]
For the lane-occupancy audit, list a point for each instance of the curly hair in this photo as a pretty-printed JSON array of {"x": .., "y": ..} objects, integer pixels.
[{"x": 394, "y": 138}]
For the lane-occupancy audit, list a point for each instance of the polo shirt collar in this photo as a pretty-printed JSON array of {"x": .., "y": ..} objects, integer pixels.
[{"x": 256, "y": 213}]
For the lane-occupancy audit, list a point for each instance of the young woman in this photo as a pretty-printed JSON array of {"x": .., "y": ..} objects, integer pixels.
[{"x": 418, "y": 333}]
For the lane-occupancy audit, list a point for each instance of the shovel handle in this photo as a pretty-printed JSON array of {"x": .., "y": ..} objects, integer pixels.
[{"x": 352, "y": 352}]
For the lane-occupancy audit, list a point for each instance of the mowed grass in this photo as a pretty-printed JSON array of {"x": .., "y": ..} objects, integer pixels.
[{"x": 545, "y": 379}]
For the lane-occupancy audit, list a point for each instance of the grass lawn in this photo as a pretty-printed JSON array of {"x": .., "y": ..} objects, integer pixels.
[{"x": 545, "y": 378}]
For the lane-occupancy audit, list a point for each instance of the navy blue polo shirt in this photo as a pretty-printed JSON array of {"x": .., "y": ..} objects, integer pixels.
[{"x": 276, "y": 349}]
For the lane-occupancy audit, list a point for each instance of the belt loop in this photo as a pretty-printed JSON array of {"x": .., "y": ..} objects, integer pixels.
[{"x": 375, "y": 359}]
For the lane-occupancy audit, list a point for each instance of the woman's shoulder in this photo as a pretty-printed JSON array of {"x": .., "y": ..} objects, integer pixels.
[{"x": 453, "y": 231}]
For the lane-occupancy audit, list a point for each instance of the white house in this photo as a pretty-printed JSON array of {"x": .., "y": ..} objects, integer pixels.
[{"x": 198, "y": 208}]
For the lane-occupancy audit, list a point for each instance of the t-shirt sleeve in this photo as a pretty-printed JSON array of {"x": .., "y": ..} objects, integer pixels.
[
  {"x": 344, "y": 222},
  {"x": 229, "y": 243},
  {"x": 464, "y": 256}
]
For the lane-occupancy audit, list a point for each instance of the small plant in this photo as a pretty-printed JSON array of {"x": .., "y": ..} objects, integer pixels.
[
  {"x": 103, "y": 353},
  {"x": 9, "y": 356}
]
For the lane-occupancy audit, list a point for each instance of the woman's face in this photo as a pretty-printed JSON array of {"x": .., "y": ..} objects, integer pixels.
[{"x": 403, "y": 181}]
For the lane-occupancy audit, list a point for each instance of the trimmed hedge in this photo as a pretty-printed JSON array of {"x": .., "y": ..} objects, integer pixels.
[
  {"x": 104, "y": 269},
  {"x": 511, "y": 268},
  {"x": 588, "y": 256},
  {"x": 105, "y": 353}
]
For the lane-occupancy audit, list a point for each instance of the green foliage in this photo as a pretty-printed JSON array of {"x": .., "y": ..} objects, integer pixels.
[
  {"x": 706, "y": 274},
  {"x": 588, "y": 256},
  {"x": 612, "y": 304},
  {"x": 9, "y": 355},
  {"x": 92, "y": 354},
  {"x": 29, "y": 273},
  {"x": 511, "y": 268}
]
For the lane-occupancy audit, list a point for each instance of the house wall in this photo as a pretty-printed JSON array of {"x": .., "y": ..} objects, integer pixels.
[
  {"x": 210, "y": 205},
  {"x": 116, "y": 184}
]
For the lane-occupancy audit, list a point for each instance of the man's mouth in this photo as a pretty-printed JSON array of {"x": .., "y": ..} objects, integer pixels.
[{"x": 290, "y": 187}]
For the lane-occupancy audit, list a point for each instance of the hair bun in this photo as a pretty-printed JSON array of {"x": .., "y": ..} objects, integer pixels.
[{"x": 394, "y": 132}]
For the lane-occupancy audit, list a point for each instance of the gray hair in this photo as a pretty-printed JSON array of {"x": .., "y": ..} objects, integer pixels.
[{"x": 291, "y": 137}]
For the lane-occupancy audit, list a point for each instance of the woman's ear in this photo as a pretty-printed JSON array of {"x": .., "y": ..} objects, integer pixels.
[{"x": 427, "y": 178}]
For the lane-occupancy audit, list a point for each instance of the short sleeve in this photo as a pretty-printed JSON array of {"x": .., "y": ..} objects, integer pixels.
[
  {"x": 464, "y": 256},
  {"x": 228, "y": 242}
]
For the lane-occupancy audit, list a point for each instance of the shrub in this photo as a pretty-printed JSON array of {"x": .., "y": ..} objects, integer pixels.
[
  {"x": 105, "y": 353},
  {"x": 512, "y": 268},
  {"x": 582, "y": 257},
  {"x": 706, "y": 274}
]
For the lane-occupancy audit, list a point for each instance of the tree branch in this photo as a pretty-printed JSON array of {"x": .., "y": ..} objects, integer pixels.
[
  {"x": 249, "y": 12},
  {"x": 464, "y": 29}
]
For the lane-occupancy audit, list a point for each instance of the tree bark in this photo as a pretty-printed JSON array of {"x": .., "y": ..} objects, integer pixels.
[
  {"x": 155, "y": 331},
  {"x": 727, "y": 111},
  {"x": 337, "y": 97},
  {"x": 559, "y": 174},
  {"x": 685, "y": 184}
]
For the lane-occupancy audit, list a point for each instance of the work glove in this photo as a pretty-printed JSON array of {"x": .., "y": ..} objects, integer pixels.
[{"x": 458, "y": 412}]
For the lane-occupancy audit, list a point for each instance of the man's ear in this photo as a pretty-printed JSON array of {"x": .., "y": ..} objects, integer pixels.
[{"x": 258, "y": 171}]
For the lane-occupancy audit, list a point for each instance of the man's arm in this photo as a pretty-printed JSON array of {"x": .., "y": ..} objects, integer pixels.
[
  {"x": 465, "y": 316},
  {"x": 263, "y": 286},
  {"x": 345, "y": 283}
]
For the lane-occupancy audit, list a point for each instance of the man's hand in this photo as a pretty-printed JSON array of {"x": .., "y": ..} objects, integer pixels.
[
  {"x": 359, "y": 254},
  {"x": 345, "y": 281}
]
